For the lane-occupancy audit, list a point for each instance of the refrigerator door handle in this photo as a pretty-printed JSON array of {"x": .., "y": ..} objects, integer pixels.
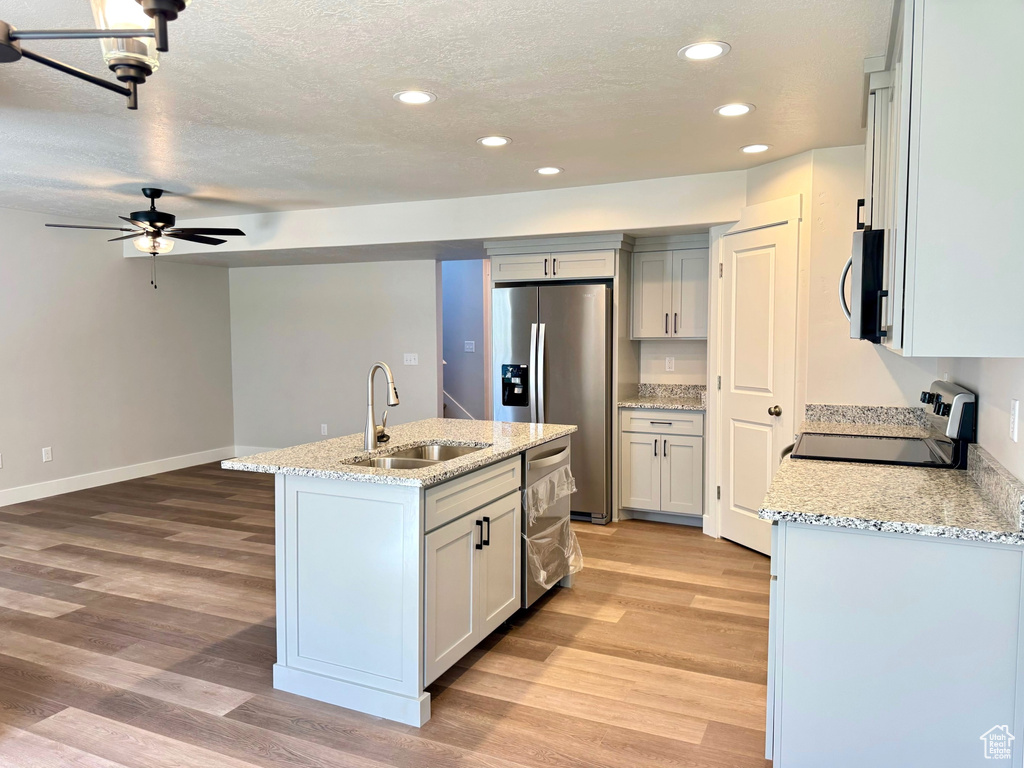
[
  {"x": 540, "y": 375},
  {"x": 534, "y": 372}
]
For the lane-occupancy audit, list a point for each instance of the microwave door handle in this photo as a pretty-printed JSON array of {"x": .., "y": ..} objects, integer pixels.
[
  {"x": 842, "y": 289},
  {"x": 540, "y": 375},
  {"x": 533, "y": 373}
]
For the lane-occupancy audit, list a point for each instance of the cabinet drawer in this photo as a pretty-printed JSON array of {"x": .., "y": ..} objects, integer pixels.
[
  {"x": 662, "y": 422},
  {"x": 464, "y": 494}
]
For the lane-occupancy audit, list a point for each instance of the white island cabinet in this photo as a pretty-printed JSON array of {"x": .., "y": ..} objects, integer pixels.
[{"x": 387, "y": 577}]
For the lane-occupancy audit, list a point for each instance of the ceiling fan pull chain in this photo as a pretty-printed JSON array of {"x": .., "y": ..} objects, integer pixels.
[{"x": 153, "y": 281}]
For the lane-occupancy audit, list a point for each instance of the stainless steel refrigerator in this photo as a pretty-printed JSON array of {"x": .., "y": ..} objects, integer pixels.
[{"x": 552, "y": 364}]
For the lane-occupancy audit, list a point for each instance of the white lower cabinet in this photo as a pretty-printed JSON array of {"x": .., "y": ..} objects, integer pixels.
[
  {"x": 661, "y": 471},
  {"x": 472, "y": 581}
]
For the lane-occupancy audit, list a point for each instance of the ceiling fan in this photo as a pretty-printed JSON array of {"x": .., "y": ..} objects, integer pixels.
[{"x": 153, "y": 231}]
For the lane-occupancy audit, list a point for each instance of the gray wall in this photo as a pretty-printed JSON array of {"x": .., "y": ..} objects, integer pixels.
[
  {"x": 303, "y": 339},
  {"x": 96, "y": 364},
  {"x": 464, "y": 375}
]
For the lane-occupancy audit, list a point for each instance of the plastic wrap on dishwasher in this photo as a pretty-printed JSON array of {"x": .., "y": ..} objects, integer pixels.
[
  {"x": 554, "y": 554},
  {"x": 546, "y": 491}
]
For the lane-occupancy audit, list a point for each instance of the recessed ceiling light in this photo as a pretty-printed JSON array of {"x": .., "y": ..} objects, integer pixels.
[
  {"x": 704, "y": 51},
  {"x": 753, "y": 149},
  {"x": 734, "y": 110},
  {"x": 549, "y": 170},
  {"x": 494, "y": 141},
  {"x": 415, "y": 97}
]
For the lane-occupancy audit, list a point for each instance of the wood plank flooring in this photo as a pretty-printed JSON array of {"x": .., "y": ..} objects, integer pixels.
[{"x": 137, "y": 631}]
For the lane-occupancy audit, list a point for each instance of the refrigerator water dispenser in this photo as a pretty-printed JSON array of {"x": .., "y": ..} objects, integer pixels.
[{"x": 515, "y": 385}]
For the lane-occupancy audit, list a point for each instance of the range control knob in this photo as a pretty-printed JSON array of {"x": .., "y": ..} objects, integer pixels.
[
  {"x": 928, "y": 397},
  {"x": 944, "y": 409}
]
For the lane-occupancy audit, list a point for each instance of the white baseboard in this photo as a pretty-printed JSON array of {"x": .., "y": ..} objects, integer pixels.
[
  {"x": 250, "y": 450},
  {"x": 106, "y": 476},
  {"x": 663, "y": 517}
]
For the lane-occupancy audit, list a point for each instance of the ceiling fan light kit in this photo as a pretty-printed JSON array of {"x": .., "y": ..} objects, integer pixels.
[
  {"x": 153, "y": 231},
  {"x": 130, "y": 49}
]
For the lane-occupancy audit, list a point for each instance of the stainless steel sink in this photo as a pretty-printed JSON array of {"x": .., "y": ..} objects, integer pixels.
[
  {"x": 418, "y": 457},
  {"x": 436, "y": 453},
  {"x": 392, "y": 462}
]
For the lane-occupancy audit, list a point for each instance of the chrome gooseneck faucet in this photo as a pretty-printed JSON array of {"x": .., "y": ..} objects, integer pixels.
[{"x": 373, "y": 432}]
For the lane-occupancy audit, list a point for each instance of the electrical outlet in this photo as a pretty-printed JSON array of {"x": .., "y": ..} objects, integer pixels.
[
  {"x": 47, "y": 454},
  {"x": 470, "y": 346},
  {"x": 323, "y": 429},
  {"x": 411, "y": 358},
  {"x": 1014, "y": 418},
  {"x": 670, "y": 363}
]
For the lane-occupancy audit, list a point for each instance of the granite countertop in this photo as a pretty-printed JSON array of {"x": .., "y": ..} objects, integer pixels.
[
  {"x": 665, "y": 403},
  {"x": 911, "y": 500},
  {"x": 329, "y": 459},
  {"x": 669, "y": 397}
]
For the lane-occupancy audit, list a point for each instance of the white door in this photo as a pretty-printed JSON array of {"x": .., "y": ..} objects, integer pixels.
[
  {"x": 450, "y": 594},
  {"x": 758, "y": 359},
  {"x": 499, "y": 572},
  {"x": 682, "y": 475},
  {"x": 640, "y": 455},
  {"x": 652, "y": 295},
  {"x": 690, "y": 294}
]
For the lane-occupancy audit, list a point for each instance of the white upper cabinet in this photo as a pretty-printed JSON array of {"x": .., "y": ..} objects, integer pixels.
[
  {"x": 652, "y": 295},
  {"x": 574, "y": 265},
  {"x": 946, "y": 179},
  {"x": 670, "y": 294}
]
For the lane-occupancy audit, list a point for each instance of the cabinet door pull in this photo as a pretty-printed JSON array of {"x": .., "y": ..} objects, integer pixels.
[
  {"x": 664, "y": 449},
  {"x": 486, "y": 541},
  {"x": 675, "y": 322},
  {"x": 554, "y": 267},
  {"x": 545, "y": 267},
  {"x": 661, "y": 423},
  {"x": 666, "y": 323},
  {"x": 480, "y": 525},
  {"x": 655, "y": 447}
]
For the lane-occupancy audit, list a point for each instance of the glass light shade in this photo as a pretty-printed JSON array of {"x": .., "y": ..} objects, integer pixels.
[
  {"x": 150, "y": 244},
  {"x": 125, "y": 14}
]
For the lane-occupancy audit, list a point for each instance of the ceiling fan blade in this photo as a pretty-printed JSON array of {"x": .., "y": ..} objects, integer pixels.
[
  {"x": 133, "y": 221},
  {"x": 132, "y": 236},
  {"x": 81, "y": 226},
  {"x": 223, "y": 232},
  {"x": 195, "y": 238}
]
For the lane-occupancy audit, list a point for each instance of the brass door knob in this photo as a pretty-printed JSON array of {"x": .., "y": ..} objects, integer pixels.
[{"x": 775, "y": 411}]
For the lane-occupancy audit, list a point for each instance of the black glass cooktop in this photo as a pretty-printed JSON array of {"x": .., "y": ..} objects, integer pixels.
[{"x": 907, "y": 451}]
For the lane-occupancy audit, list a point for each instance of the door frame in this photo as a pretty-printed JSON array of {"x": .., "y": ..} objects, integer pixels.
[{"x": 786, "y": 210}]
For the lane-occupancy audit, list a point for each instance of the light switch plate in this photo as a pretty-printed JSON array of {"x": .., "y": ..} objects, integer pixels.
[
  {"x": 670, "y": 363},
  {"x": 47, "y": 454},
  {"x": 323, "y": 429},
  {"x": 1014, "y": 419},
  {"x": 411, "y": 358},
  {"x": 470, "y": 346}
]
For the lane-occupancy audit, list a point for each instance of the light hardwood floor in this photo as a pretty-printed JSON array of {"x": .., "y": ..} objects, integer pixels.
[{"x": 137, "y": 631}]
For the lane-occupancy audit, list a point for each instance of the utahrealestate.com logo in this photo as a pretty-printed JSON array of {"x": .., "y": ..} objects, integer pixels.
[{"x": 998, "y": 743}]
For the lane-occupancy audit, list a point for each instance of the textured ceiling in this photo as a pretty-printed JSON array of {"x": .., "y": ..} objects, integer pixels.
[{"x": 277, "y": 105}]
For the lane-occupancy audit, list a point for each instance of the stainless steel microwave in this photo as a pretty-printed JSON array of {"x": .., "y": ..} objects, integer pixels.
[{"x": 866, "y": 269}]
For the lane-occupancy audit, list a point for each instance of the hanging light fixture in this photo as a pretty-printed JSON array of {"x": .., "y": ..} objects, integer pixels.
[{"x": 132, "y": 34}]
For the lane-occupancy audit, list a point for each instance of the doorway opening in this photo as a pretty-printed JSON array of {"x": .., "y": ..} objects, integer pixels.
[{"x": 465, "y": 331}]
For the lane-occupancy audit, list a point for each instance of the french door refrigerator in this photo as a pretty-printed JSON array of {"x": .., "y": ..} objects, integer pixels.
[{"x": 552, "y": 364}]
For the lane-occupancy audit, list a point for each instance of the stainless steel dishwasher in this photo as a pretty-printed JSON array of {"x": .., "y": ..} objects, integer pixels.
[{"x": 539, "y": 463}]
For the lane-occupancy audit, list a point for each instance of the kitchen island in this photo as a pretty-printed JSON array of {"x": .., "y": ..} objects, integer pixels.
[
  {"x": 386, "y": 576},
  {"x": 896, "y": 618}
]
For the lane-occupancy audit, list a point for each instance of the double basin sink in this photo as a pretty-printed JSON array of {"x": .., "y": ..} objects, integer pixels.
[{"x": 419, "y": 457}]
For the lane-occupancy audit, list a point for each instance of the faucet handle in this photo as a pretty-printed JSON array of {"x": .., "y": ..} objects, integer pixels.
[
  {"x": 382, "y": 436},
  {"x": 383, "y": 419}
]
